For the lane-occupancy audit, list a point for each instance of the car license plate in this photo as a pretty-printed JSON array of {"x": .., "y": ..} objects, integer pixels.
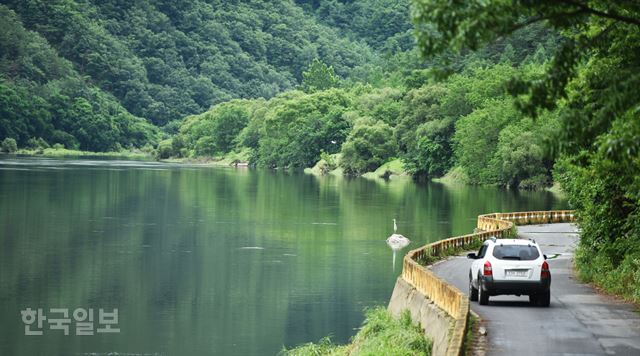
[{"x": 517, "y": 273}]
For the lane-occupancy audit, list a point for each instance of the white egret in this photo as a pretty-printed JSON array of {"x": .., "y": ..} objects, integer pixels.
[{"x": 397, "y": 241}]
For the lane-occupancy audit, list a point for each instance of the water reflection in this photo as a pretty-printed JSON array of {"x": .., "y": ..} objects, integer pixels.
[{"x": 207, "y": 260}]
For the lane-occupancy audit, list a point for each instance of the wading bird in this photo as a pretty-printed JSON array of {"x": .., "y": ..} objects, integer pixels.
[{"x": 397, "y": 241}]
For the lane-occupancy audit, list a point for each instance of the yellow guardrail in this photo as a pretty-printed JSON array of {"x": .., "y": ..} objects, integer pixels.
[{"x": 446, "y": 296}]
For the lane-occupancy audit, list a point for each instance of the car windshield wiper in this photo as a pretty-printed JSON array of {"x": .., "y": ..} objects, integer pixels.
[{"x": 511, "y": 257}]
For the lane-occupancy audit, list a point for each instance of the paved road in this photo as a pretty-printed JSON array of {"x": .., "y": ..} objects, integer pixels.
[{"x": 578, "y": 322}]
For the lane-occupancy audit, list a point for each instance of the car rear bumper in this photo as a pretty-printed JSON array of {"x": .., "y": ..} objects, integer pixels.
[{"x": 492, "y": 287}]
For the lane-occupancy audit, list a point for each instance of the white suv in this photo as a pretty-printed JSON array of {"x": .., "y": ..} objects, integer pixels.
[{"x": 510, "y": 266}]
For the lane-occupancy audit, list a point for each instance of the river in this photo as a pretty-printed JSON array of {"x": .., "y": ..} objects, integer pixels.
[{"x": 208, "y": 260}]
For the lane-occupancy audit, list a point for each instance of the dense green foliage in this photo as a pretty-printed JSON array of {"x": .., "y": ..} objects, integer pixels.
[
  {"x": 369, "y": 145},
  {"x": 366, "y": 93},
  {"x": 468, "y": 121},
  {"x": 43, "y": 96},
  {"x": 381, "y": 334},
  {"x": 290, "y": 130},
  {"x": 319, "y": 76},
  {"x": 80, "y": 73},
  {"x": 591, "y": 83},
  {"x": 165, "y": 60},
  {"x": 8, "y": 145},
  {"x": 382, "y": 24}
]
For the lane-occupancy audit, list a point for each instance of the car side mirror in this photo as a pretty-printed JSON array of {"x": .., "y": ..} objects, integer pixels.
[
  {"x": 472, "y": 256},
  {"x": 545, "y": 256}
]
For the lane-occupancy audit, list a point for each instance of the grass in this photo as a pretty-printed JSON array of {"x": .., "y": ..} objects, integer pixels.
[
  {"x": 228, "y": 159},
  {"x": 394, "y": 167},
  {"x": 622, "y": 280},
  {"x": 467, "y": 344},
  {"x": 381, "y": 334},
  {"x": 328, "y": 165},
  {"x": 63, "y": 152},
  {"x": 455, "y": 176},
  {"x": 556, "y": 189}
]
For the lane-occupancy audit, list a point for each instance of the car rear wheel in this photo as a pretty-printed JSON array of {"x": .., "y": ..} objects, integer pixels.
[
  {"x": 473, "y": 292},
  {"x": 483, "y": 297},
  {"x": 544, "y": 299}
]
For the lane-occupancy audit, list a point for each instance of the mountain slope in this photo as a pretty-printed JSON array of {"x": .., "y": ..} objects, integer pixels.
[
  {"x": 43, "y": 96},
  {"x": 164, "y": 59}
]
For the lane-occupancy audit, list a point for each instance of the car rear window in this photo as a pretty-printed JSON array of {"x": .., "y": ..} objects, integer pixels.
[{"x": 516, "y": 252}]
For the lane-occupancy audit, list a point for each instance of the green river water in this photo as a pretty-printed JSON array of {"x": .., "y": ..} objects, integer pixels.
[{"x": 203, "y": 260}]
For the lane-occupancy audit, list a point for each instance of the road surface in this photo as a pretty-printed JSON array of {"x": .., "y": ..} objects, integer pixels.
[{"x": 579, "y": 320}]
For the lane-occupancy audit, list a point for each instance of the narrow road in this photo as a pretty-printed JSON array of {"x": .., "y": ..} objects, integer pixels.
[{"x": 579, "y": 320}]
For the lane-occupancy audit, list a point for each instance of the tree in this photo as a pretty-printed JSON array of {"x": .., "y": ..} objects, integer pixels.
[
  {"x": 425, "y": 130},
  {"x": 318, "y": 77},
  {"x": 9, "y": 145},
  {"x": 368, "y": 146},
  {"x": 476, "y": 138},
  {"x": 299, "y": 126},
  {"x": 216, "y": 131}
]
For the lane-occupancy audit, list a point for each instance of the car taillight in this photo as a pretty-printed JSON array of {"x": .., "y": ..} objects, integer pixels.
[
  {"x": 545, "y": 270},
  {"x": 487, "y": 271}
]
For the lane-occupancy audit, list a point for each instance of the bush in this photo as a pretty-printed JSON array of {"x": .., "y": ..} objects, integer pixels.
[
  {"x": 9, "y": 145},
  {"x": 38, "y": 144},
  {"x": 603, "y": 188},
  {"x": 216, "y": 131},
  {"x": 381, "y": 334},
  {"x": 165, "y": 149},
  {"x": 327, "y": 163},
  {"x": 369, "y": 145},
  {"x": 32, "y": 144}
]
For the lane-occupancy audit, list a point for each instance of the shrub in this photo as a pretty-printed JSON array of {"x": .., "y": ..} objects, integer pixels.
[
  {"x": 327, "y": 163},
  {"x": 9, "y": 145},
  {"x": 369, "y": 145},
  {"x": 165, "y": 149},
  {"x": 381, "y": 334}
]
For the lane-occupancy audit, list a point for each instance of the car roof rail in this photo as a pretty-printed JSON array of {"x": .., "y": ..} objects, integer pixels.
[
  {"x": 532, "y": 240},
  {"x": 493, "y": 238}
]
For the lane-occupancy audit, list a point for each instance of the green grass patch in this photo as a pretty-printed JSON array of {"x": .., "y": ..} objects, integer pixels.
[
  {"x": 328, "y": 164},
  {"x": 556, "y": 189},
  {"x": 456, "y": 175},
  {"x": 381, "y": 334},
  {"x": 394, "y": 167},
  {"x": 63, "y": 152},
  {"x": 467, "y": 345},
  {"x": 622, "y": 280}
]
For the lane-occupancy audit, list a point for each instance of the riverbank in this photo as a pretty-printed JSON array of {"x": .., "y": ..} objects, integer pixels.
[
  {"x": 393, "y": 169},
  {"x": 390, "y": 170},
  {"x": 63, "y": 152},
  {"x": 128, "y": 155},
  {"x": 381, "y": 334}
]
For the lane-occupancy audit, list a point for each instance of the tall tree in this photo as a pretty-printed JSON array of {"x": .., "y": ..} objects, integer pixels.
[{"x": 318, "y": 77}]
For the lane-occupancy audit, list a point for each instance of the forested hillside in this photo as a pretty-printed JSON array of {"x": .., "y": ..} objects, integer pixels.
[
  {"x": 159, "y": 60},
  {"x": 338, "y": 80},
  {"x": 591, "y": 86},
  {"x": 43, "y": 96}
]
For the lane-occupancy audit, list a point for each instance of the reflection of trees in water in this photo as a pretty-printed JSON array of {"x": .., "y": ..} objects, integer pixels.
[{"x": 164, "y": 247}]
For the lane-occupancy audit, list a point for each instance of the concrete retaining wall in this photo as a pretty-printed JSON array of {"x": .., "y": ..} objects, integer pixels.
[{"x": 435, "y": 322}]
